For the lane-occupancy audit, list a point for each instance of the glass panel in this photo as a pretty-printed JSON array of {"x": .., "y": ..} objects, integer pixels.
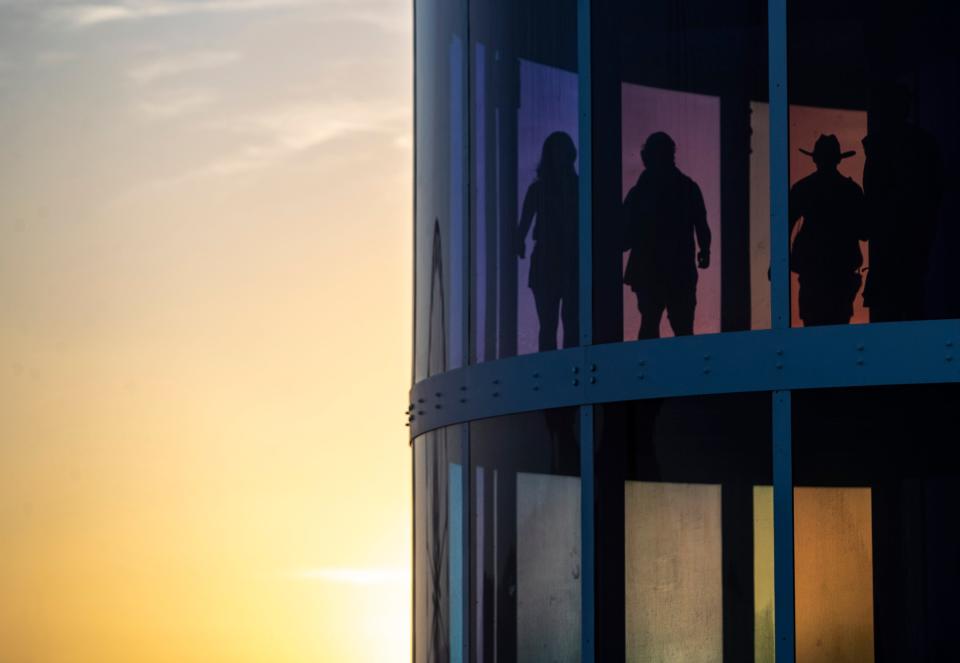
[
  {"x": 683, "y": 551},
  {"x": 681, "y": 207},
  {"x": 440, "y": 186},
  {"x": 875, "y": 511},
  {"x": 438, "y": 546},
  {"x": 524, "y": 185},
  {"x": 764, "y": 638},
  {"x": 526, "y": 537},
  {"x": 874, "y": 142}
]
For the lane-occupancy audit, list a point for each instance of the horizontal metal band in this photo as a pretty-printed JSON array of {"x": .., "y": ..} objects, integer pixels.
[{"x": 769, "y": 360}]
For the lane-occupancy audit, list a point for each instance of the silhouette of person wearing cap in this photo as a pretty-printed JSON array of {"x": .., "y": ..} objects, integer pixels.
[
  {"x": 662, "y": 213},
  {"x": 553, "y": 201},
  {"x": 826, "y": 251},
  {"x": 903, "y": 184}
]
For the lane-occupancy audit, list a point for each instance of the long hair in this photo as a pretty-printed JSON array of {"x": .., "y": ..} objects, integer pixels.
[{"x": 557, "y": 157}]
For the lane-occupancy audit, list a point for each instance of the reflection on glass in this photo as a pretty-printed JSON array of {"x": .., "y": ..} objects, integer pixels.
[
  {"x": 825, "y": 253},
  {"x": 675, "y": 488},
  {"x": 894, "y": 71},
  {"x": 674, "y": 593},
  {"x": 670, "y": 220},
  {"x": 438, "y": 546},
  {"x": 764, "y": 637},
  {"x": 524, "y": 120},
  {"x": 526, "y": 537},
  {"x": 830, "y": 249},
  {"x": 440, "y": 187},
  {"x": 875, "y": 511},
  {"x": 550, "y": 206},
  {"x": 833, "y": 567},
  {"x": 548, "y": 567},
  {"x": 690, "y": 72}
]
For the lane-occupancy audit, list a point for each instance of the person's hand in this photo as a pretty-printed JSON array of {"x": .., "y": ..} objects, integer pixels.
[
  {"x": 703, "y": 259},
  {"x": 521, "y": 245}
]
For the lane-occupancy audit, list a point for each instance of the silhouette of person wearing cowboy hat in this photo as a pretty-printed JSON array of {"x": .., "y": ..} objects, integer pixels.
[{"x": 826, "y": 251}]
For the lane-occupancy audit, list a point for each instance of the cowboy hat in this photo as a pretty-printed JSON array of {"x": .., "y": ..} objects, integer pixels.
[{"x": 828, "y": 147}]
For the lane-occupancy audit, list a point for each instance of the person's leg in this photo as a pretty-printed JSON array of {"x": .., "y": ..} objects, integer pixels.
[
  {"x": 570, "y": 314},
  {"x": 827, "y": 299},
  {"x": 651, "y": 310},
  {"x": 548, "y": 313},
  {"x": 680, "y": 310}
]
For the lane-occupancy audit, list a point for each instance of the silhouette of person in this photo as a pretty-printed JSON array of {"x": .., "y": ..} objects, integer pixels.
[
  {"x": 903, "y": 185},
  {"x": 826, "y": 252},
  {"x": 553, "y": 201},
  {"x": 662, "y": 213}
]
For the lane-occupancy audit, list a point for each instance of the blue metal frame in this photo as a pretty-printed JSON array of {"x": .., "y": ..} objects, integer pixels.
[
  {"x": 778, "y": 360},
  {"x": 783, "y": 586},
  {"x": 770, "y": 360},
  {"x": 587, "y": 494},
  {"x": 784, "y": 623}
]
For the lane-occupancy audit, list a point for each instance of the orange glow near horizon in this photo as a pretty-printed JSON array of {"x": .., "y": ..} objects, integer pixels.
[{"x": 205, "y": 331}]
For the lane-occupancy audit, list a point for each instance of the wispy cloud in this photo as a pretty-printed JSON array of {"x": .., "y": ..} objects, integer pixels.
[
  {"x": 54, "y": 58},
  {"x": 176, "y": 65},
  {"x": 285, "y": 132},
  {"x": 177, "y": 103},
  {"x": 356, "y": 576},
  {"x": 84, "y": 15}
]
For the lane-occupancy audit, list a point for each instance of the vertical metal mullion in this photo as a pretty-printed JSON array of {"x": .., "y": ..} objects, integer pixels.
[
  {"x": 466, "y": 594},
  {"x": 783, "y": 525},
  {"x": 779, "y": 164},
  {"x": 783, "y": 569},
  {"x": 467, "y": 171},
  {"x": 587, "y": 495},
  {"x": 587, "y": 533},
  {"x": 585, "y": 211}
]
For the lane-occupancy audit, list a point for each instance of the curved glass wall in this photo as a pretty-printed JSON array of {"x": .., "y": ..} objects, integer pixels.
[
  {"x": 440, "y": 189},
  {"x": 876, "y": 506},
  {"x": 524, "y": 177},
  {"x": 683, "y": 491},
  {"x": 874, "y": 204},
  {"x": 681, "y": 211},
  {"x": 525, "y": 529},
  {"x": 592, "y": 175},
  {"x": 438, "y": 560}
]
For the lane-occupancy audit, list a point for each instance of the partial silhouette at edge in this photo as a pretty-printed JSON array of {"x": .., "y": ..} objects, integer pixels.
[{"x": 903, "y": 182}]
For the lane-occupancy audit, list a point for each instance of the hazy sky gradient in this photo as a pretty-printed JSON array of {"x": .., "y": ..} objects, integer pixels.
[{"x": 204, "y": 330}]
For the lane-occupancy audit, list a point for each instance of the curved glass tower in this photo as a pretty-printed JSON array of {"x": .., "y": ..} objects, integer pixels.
[{"x": 685, "y": 369}]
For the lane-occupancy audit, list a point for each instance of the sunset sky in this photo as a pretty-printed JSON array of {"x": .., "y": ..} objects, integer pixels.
[{"x": 205, "y": 224}]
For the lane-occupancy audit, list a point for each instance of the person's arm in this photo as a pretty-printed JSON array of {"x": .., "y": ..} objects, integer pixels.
[
  {"x": 526, "y": 218},
  {"x": 701, "y": 228}
]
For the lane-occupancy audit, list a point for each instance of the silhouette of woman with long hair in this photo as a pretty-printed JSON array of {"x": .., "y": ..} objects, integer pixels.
[{"x": 553, "y": 201}]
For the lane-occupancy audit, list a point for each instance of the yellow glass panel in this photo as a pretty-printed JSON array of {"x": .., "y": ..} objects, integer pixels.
[
  {"x": 764, "y": 639},
  {"x": 674, "y": 585}
]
